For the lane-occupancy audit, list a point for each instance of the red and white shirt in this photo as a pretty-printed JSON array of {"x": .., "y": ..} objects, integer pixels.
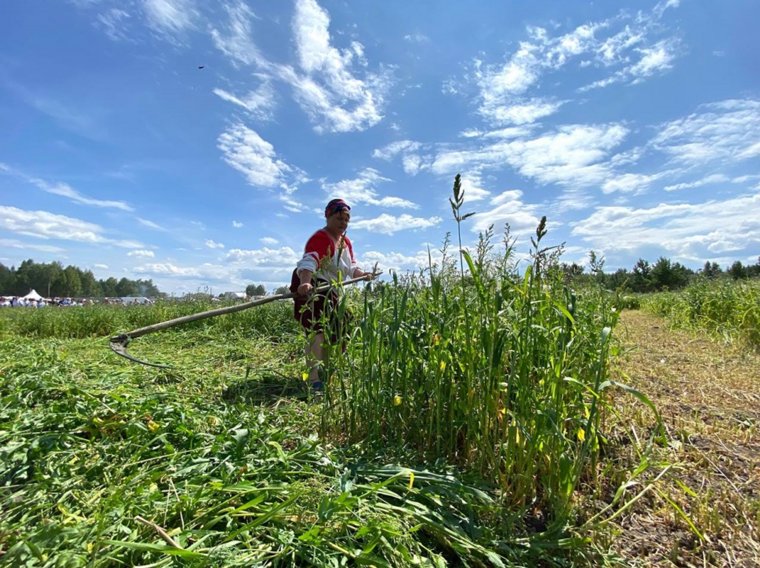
[{"x": 327, "y": 258}]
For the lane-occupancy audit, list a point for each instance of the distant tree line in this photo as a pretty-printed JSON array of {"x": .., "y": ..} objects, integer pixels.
[
  {"x": 664, "y": 274},
  {"x": 52, "y": 280}
]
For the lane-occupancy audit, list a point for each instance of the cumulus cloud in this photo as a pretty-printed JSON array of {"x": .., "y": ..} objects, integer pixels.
[
  {"x": 572, "y": 155},
  {"x": 362, "y": 190},
  {"x": 141, "y": 253},
  {"x": 283, "y": 256},
  {"x": 268, "y": 240},
  {"x": 508, "y": 208},
  {"x": 46, "y": 225},
  {"x": 255, "y": 158},
  {"x": 388, "y": 224},
  {"x": 213, "y": 244},
  {"x": 331, "y": 90},
  {"x": 630, "y": 183},
  {"x": 411, "y": 159},
  {"x": 684, "y": 229}
]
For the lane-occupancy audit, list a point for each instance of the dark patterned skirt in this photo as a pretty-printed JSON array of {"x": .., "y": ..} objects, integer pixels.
[{"x": 321, "y": 312}]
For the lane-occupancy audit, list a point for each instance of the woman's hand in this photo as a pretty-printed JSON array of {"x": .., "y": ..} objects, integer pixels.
[{"x": 305, "y": 288}]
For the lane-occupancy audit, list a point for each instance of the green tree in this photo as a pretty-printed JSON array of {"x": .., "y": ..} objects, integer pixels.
[
  {"x": 282, "y": 290},
  {"x": 90, "y": 286},
  {"x": 126, "y": 287},
  {"x": 737, "y": 270},
  {"x": 73, "y": 281},
  {"x": 255, "y": 290},
  {"x": 7, "y": 280},
  {"x": 108, "y": 286},
  {"x": 711, "y": 270},
  {"x": 640, "y": 280},
  {"x": 667, "y": 275}
]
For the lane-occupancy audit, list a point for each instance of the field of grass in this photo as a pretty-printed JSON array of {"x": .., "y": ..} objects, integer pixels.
[
  {"x": 476, "y": 418},
  {"x": 727, "y": 309}
]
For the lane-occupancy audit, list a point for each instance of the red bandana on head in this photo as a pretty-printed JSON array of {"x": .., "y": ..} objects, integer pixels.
[{"x": 336, "y": 206}]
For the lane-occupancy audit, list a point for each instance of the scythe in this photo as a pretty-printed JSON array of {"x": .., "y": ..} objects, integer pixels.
[{"x": 120, "y": 342}]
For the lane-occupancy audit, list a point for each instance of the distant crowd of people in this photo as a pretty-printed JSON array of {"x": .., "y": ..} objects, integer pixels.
[{"x": 23, "y": 302}]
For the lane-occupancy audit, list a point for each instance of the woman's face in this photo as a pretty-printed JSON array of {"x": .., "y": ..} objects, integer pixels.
[{"x": 337, "y": 223}]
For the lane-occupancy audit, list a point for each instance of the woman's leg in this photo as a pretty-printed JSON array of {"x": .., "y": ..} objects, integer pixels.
[{"x": 315, "y": 356}]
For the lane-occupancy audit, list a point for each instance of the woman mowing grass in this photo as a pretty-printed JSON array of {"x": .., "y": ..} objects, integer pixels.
[{"x": 328, "y": 256}]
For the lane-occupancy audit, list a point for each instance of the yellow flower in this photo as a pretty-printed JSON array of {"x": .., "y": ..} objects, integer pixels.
[
  {"x": 153, "y": 426},
  {"x": 305, "y": 376},
  {"x": 90, "y": 547},
  {"x": 411, "y": 480},
  {"x": 396, "y": 400},
  {"x": 581, "y": 434},
  {"x": 442, "y": 366}
]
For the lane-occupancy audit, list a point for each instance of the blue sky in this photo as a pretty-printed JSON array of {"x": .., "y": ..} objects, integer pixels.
[{"x": 196, "y": 143}]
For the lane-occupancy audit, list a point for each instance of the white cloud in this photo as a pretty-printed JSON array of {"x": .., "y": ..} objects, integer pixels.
[
  {"x": 46, "y": 225},
  {"x": 269, "y": 240},
  {"x": 523, "y": 112},
  {"x": 507, "y": 207},
  {"x": 283, "y": 256},
  {"x": 259, "y": 103},
  {"x": 142, "y": 253},
  {"x": 113, "y": 22},
  {"x": 388, "y": 224},
  {"x": 170, "y": 17},
  {"x": 411, "y": 160},
  {"x": 65, "y": 190},
  {"x": 362, "y": 190},
  {"x": 16, "y": 244},
  {"x": 150, "y": 224},
  {"x": 728, "y": 131},
  {"x": 653, "y": 59},
  {"x": 630, "y": 183},
  {"x": 330, "y": 91},
  {"x": 170, "y": 269},
  {"x": 685, "y": 229},
  {"x": 235, "y": 41},
  {"x": 213, "y": 244},
  {"x": 237, "y": 224},
  {"x": 255, "y": 158},
  {"x": 417, "y": 37},
  {"x": 572, "y": 156},
  {"x": 711, "y": 179}
]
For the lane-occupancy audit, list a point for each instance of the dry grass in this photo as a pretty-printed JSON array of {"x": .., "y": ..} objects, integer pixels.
[{"x": 709, "y": 397}]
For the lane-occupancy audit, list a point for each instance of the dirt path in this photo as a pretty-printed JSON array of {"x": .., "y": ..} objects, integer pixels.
[{"x": 709, "y": 398}]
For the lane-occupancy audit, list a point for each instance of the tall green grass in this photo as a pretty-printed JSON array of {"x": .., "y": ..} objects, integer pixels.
[
  {"x": 269, "y": 320},
  {"x": 499, "y": 373},
  {"x": 727, "y": 308}
]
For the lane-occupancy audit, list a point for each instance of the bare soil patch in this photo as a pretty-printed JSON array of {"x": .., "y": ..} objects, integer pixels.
[{"x": 708, "y": 395}]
